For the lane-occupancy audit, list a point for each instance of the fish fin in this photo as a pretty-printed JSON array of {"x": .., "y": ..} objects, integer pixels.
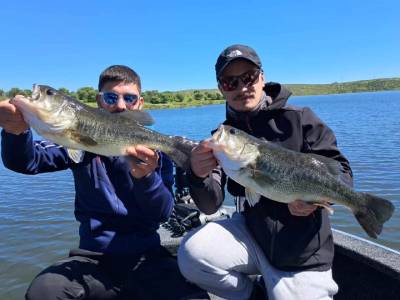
[
  {"x": 252, "y": 196},
  {"x": 261, "y": 177},
  {"x": 262, "y": 180},
  {"x": 181, "y": 151},
  {"x": 334, "y": 167},
  {"x": 82, "y": 139},
  {"x": 373, "y": 213},
  {"x": 140, "y": 116},
  {"x": 75, "y": 155}
]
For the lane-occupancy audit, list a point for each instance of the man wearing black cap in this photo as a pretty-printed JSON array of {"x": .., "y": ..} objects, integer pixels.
[{"x": 290, "y": 245}]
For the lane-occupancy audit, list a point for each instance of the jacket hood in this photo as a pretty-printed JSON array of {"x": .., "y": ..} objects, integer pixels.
[{"x": 278, "y": 93}]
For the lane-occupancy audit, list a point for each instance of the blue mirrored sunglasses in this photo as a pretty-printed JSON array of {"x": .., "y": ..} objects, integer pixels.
[{"x": 111, "y": 98}]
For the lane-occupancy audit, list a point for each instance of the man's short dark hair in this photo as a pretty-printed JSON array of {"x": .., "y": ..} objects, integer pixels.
[{"x": 119, "y": 73}]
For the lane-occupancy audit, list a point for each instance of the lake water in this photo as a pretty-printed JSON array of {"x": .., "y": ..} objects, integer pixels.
[{"x": 36, "y": 212}]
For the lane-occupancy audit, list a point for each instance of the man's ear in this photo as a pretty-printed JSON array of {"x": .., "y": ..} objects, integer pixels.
[
  {"x": 263, "y": 76},
  {"x": 141, "y": 102}
]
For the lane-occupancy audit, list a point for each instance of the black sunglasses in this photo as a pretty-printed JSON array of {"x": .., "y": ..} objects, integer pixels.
[
  {"x": 111, "y": 98},
  {"x": 231, "y": 83}
]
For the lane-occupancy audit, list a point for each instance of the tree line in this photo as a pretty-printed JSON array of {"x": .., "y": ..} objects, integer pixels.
[
  {"x": 154, "y": 97},
  {"x": 88, "y": 94},
  {"x": 373, "y": 85}
]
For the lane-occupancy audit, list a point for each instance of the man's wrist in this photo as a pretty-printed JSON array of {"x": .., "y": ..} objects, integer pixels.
[{"x": 196, "y": 180}]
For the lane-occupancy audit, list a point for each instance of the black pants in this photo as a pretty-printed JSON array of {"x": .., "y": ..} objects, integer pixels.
[{"x": 91, "y": 275}]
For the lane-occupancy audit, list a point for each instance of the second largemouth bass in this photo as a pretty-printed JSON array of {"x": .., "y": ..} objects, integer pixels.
[{"x": 283, "y": 175}]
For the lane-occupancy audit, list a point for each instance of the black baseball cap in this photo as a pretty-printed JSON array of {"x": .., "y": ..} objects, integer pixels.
[{"x": 235, "y": 52}]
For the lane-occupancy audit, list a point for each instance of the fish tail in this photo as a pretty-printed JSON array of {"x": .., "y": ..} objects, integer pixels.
[
  {"x": 181, "y": 151},
  {"x": 373, "y": 213}
]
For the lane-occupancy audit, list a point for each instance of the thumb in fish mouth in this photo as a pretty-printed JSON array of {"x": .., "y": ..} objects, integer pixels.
[
  {"x": 211, "y": 143},
  {"x": 207, "y": 141},
  {"x": 18, "y": 97}
]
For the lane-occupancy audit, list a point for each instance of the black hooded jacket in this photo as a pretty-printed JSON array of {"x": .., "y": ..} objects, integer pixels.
[{"x": 289, "y": 242}]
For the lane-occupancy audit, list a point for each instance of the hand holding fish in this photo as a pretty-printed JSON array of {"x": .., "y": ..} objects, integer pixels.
[
  {"x": 145, "y": 160},
  {"x": 11, "y": 119},
  {"x": 301, "y": 208},
  {"x": 202, "y": 160}
]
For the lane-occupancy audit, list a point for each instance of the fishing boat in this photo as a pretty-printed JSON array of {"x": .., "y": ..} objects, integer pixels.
[{"x": 362, "y": 269}]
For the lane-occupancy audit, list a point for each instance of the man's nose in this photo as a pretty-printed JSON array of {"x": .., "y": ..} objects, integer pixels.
[
  {"x": 242, "y": 87},
  {"x": 120, "y": 105}
]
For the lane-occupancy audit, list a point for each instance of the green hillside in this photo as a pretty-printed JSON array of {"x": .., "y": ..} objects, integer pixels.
[
  {"x": 196, "y": 97},
  {"x": 373, "y": 85}
]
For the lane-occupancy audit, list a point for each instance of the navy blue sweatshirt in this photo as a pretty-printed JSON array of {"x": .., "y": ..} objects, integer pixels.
[{"x": 118, "y": 213}]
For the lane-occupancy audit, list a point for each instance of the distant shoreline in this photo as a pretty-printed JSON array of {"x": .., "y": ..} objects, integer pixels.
[
  {"x": 201, "y": 97},
  {"x": 214, "y": 102}
]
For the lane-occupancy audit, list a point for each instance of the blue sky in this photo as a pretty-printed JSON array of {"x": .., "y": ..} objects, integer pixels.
[{"x": 173, "y": 45}]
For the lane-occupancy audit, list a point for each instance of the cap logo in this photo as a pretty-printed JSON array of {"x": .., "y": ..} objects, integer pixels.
[{"x": 234, "y": 53}]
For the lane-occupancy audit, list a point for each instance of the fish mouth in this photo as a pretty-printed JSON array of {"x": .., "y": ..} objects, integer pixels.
[
  {"x": 35, "y": 92},
  {"x": 216, "y": 142},
  {"x": 218, "y": 134}
]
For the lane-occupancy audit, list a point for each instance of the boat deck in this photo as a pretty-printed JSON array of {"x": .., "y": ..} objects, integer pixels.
[{"x": 363, "y": 269}]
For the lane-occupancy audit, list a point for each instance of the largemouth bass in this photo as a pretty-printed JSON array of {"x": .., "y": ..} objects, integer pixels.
[
  {"x": 68, "y": 122},
  {"x": 283, "y": 175}
]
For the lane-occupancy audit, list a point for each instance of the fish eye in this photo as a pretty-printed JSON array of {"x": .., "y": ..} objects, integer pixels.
[
  {"x": 232, "y": 131},
  {"x": 50, "y": 92}
]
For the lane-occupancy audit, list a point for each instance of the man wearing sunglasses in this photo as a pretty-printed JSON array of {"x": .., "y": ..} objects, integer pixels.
[
  {"x": 119, "y": 205},
  {"x": 290, "y": 245}
]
